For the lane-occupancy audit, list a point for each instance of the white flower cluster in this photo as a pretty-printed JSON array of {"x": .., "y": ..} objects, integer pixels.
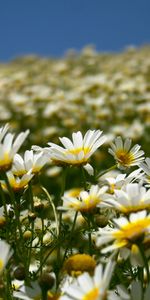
[{"x": 75, "y": 246}]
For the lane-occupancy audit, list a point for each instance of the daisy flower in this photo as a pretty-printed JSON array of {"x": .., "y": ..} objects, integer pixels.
[
  {"x": 9, "y": 147},
  {"x": 145, "y": 166},
  {"x": 79, "y": 150},
  {"x": 121, "y": 180},
  {"x": 17, "y": 183},
  {"x": 86, "y": 287},
  {"x": 79, "y": 263},
  {"x": 5, "y": 254},
  {"x": 126, "y": 232},
  {"x": 135, "y": 291},
  {"x": 28, "y": 293},
  {"x": 74, "y": 192},
  {"x": 3, "y": 131},
  {"x": 133, "y": 198},
  {"x": 86, "y": 201},
  {"x": 32, "y": 161},
  {"x": 124, "y": 155}
]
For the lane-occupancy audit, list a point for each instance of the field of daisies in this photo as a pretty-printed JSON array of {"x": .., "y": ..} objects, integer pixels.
[{"x": 75, "y": 176}]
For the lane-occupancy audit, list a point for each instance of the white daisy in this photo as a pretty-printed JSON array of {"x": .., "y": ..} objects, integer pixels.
[
  {"x": 3, "y": 131},
  {"x": 126, "y": 232},
  {"x": 32, "y": 161},
  {"x": 9, "y": 147},
  {"x": 79, "y": 150},
  {"x": 121, "y": 180},
  {"x": 5, "y": 254},
  {"x": 86, "y": 287},
  {"x": 124, "y": 155},
  {"x": 86, "y": 201},
  {"x": 133, "y": 198},
  {"x": 145, "y": 166},
  {"x": 17, "y": 183},
  {"x": 28, "y": 293}
]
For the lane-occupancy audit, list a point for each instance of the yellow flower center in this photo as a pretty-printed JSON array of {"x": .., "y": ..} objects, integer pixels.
[
  {"x": 79, "y": 263},
  {"x": 78, "y": 150},
  {"x": 132, "y": 231},
  {"x": 5, "y": 162},
  {"x": 74, "y": 192},
  {"x": 16, "y": 185},
  {"x": 51, "y": 296},
  {"x": 92, "y": 295},
  {"x": 125, "y": 158},
  {"x": 88, "y": 204}
]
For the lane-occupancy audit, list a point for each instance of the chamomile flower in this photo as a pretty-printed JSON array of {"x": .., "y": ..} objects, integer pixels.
[
  {"x": 121, "y": 180},
  {"x": 79, "y": 150},
  {"x": 133, "y": 198},
  {"x": 28, "y": 293},
  {"x": 124, "y": 155},
  {"x": 17, "y": 183},
  {"x": 86, "y": 287},
  {"x": 5, "y": 254},
  {"x": 3, "y": 131},
  {"x": 145, "y": 166},
  {"x": 9, "y": 147},
  {"x": 135, "y": 291},
  {"x": 86, "y": 201},
  {"x": 32, "y": 161},
  {"x": 79, "y": 263},
  {"x": 74, "y": 192},
  {"x": 126, "y": 232}
]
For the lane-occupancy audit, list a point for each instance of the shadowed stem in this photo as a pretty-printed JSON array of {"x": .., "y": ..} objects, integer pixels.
[
  {"x": 71, "y": 235},
  {"x": 32, "y": 224},
  {"x": 60, "y": 220},
  {"x": 5, "y": 212},
  {"x": 145, "y": 260},
  {"x": 53, "y": 207},
  {"x": 12, "y": 196},
  {"x": 89, "y": 235},
  {"x": 83, "y": 177}
]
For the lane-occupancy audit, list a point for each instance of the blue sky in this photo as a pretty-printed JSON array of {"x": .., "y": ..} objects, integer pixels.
[{"x": 51, "y": 27}]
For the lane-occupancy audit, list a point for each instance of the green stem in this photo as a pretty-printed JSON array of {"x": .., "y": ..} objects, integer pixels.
[
  {"x": 53, "y": 207},
  {"x": 71, "y": 235},
  {"x": 60, "y": 213},
  {"x": 44, "y": 294},
  {"x": 32, "y": 226},
  {"x": 145, "y": 261},
  {"x": 41, "y": 248},
  {"x": 8, "y": 285},
  {"x": 19, "y": 242},
  {"x": 31, "y": 196},
  {"x": 5, "y": 212},
  {"x": 83, "y": 177},
  {"x": 12, "y": 196},
  {"x": 89, "y": 235},
  {"x": 47, "y": 256}
]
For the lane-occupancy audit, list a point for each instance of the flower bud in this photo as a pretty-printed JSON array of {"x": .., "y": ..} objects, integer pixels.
[
  {"x": 27, "y": 234},
  {"x": 101, "y": 220},
  {"x": 2, "y": 221},
  {"x": 46, "y": 281},
  {"x": 19, "y": 273},
  {"x": 31, "y": 216}
]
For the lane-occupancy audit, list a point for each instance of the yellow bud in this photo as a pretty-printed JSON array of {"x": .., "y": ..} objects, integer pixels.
[
  {"x": 78, "y": 263},
  {"x": 27, "y": 235}
]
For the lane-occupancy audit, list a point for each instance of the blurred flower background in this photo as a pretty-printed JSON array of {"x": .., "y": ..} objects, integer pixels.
[{"x": 103, "y": 86}]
